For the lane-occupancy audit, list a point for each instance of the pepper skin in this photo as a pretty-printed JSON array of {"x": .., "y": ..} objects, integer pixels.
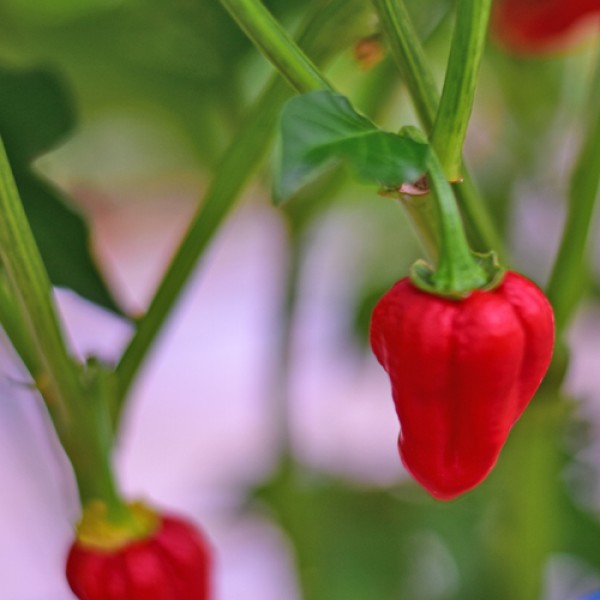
[
  {"x": 540, "y": 26},
  {"x": 172, "y": 564},
  {"x": 462, "y": 372}
]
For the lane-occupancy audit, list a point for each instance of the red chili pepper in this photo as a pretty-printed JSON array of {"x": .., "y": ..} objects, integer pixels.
[
  {"x": 172, "y": 563},
  {"x": 538, "y": 26},
  {"x": 462, "y": 372}
]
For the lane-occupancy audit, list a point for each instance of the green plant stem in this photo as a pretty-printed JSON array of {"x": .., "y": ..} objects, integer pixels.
[
  {"x": 239, "y": 162},
  {"x": 275, "y": 43},
  {"x": 566, "y": 283},
  {"x": 410, "y": 57},
  {"x": 457, "y": 272},
  {"x": 327, "y": 31},
  {"x": 407, "y": 51},
  {"x": 454, "y": 111},
  {"x": 31, "y": 286},
  {"x": 12, "y": 322},
  {"x": 58, "y": 377},
  {"x": 251, "y": 15},
  {"x": 419, "y": 77}
]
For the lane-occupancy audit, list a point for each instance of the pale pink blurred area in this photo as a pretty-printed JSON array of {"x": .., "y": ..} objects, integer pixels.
[
  {"x": 342, "y": 416},
  {"x": 198, "y": 428},
  {"x": 583, "y": 384},
  {"x": 37, "y": 495},
  {"x": 583, "y": 379}
]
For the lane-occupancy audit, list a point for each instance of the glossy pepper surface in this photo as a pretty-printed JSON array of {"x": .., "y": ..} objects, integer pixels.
[
  {"x": 539, "y": 26},
  {"x": 172, "y": 563},
  {"x": 462, "y": 372}
]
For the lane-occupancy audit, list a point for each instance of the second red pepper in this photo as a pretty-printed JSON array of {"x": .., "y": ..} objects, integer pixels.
[
  {"x": 539, "y": 26},
  {"x": 173, "y": 562},
  {"x": 462, "y": 372}
]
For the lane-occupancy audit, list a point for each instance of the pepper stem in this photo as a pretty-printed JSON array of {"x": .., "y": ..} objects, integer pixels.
[{"x": 99, "y": 531}]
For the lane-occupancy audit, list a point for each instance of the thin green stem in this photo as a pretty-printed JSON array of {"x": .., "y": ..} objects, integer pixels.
[
  {"x": 327, "y": 31},
  {"x": 33, "y": 291},
  {"x": 407, "y": 51},
  {"x": 275, "y": 43},
  {"x": 458, "y": 272},
  {"x": 456, "y": 104},
  {"x": 76, "y": 416},
  {"x": 12, "y": 322},
  {"x": 566, "y": 283}
]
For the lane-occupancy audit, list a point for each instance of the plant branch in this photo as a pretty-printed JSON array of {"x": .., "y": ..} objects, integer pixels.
[
  {"x": 566, "y": 282},
  {"x": 32, "y": 289},
  {"x": 76, "y": 411},
  {"x": 407, "y": 51},
  {"x": 456, "y": 104},
  {"x": 275, "y": 43},
  {"x": 328, "y": 30},
  {"x": 457, "y": 270},
  {"x": 12, "y": 322}
]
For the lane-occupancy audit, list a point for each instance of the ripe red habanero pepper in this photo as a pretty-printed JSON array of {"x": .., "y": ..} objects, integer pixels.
[
  {"x": 171, "y": 562},
  {"x": 462, "y": 372},
  {"x": 538, "y": 26}
]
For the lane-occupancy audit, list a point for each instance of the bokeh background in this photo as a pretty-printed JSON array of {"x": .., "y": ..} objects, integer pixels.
[{"x": 261, "y": 414}]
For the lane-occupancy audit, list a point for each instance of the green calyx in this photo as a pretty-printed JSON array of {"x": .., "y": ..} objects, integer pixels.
[
  {"x": 98, "y": 532},
  {"x": 485, "y": 276}
]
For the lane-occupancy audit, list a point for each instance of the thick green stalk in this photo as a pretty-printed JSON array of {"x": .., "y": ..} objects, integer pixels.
[
  {"x": 456, "y": 104},
  {"x": 457, "y": 273},
  {"x": 58, "y": 377},
  {"x": 407, "y": 51},
  {"x": 566, "y": 283},
  {"x": 31, "y": 287},
  {"x": 327, "y": 31},
  {"x": 275, "y": 43}
]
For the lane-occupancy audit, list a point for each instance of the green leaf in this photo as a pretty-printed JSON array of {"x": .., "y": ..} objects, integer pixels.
[
  {"x": 36, "y": 112},
  {"x": 321, "y": 128}
]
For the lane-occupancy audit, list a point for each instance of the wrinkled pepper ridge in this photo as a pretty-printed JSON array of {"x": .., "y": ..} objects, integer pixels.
[
  {"x": 172, "y": 562},
  {"x": 462, "y": 372}
]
